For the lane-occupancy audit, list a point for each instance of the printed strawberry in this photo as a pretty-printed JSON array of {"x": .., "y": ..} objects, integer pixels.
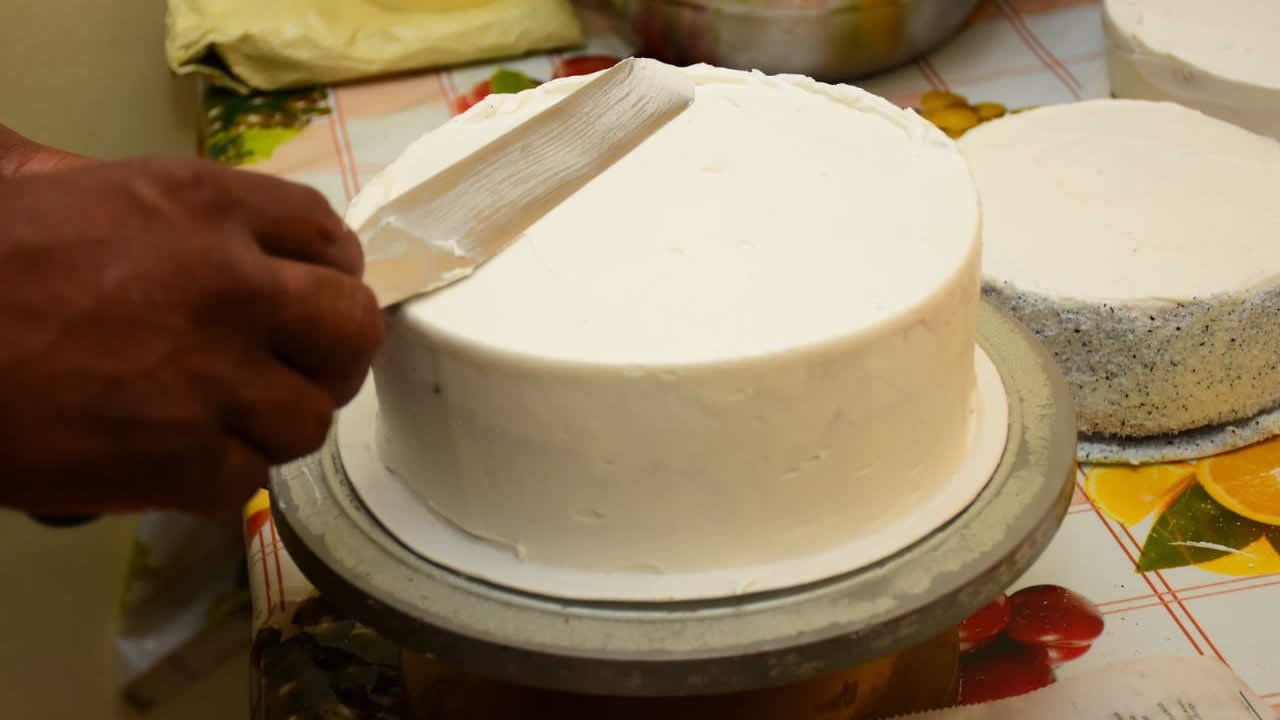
[
  {"x": 1004, "y": 668},
  {"x": 1059, "y": 654},
  {"x": 501, "y": 81},
  {"x": 463, "y": 102},
  {"x": 583, "y": 65},
  {"x": 1052, "y": 615},
  {"x": 981, "y": 627}
]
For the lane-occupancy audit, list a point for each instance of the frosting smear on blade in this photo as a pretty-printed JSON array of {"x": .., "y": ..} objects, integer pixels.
[{"x": 751, "y": 339}]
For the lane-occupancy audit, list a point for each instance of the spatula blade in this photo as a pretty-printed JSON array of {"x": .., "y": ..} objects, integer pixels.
[{"x": 442, "y": 229}]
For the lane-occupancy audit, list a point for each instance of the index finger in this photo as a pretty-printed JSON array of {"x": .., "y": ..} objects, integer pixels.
[{"x": 296, "y": 222}]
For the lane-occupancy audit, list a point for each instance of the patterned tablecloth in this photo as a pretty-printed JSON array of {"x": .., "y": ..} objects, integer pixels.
[{"x": 1176, "y": 559}]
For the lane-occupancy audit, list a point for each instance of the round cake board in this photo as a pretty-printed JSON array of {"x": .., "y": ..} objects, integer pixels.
[
  {"x": 1188, "y": 445},
  {"x": 411, "y": 520},
  {"x": 704, "y": 646}
]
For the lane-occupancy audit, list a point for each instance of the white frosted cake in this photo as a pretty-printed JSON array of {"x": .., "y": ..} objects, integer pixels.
[
  {"x": 1221, "y": 57},
  {"x": 1141, "y": 242},
  {"x": 750, "y": 340}
]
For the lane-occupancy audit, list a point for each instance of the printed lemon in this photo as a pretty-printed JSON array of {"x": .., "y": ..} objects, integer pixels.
[
  {"x": 939, "y": 99},
  {"x": 1129, "y": 494},
  {"x": 1246, "y": 481},
  {"x": 990, "y": 110},
  {"x": 956, "y": 119},
  {"x": 1256, "y": 558}
]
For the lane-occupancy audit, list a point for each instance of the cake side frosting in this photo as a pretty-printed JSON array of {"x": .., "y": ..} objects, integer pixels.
[
  {"x": 1221, "y": 58},
  {"x": 1156, "y": 285},
  {"x": 750, "y": 340}
]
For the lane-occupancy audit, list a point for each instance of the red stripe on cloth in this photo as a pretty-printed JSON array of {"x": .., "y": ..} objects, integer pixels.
[
  {"x": 1164, "y": 581},
  {"x": 266, "y": 572},
  {"x": 1021, "y": 20},
  {"x": 1169, "y": 589},
  {"x": 1134, "y": 562},
  {"x": 278, "y": 548},
  {"x": 1221, "y": 587},
  {"x": 450, "y": 90},
  {"x": 1033, "y": 44},
  {"x": 1232, "y": 591},
  {"x": 1024, "y": 70},
  {"x": 338, "y": 152},
  {"x": 931, "y": 74},
  {"x": 346, "y": 141}
]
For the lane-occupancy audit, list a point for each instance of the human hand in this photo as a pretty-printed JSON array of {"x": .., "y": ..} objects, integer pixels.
[{"x": 169, "y": 329}]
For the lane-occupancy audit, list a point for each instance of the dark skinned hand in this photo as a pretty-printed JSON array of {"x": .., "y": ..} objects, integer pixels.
[{"x": 169, "y": 328}]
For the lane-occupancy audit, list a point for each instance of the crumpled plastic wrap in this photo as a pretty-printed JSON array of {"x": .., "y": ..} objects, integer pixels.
[{"x": 275, "y": 44}]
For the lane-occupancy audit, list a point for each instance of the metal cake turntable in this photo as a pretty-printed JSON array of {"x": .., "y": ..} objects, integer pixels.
[{"x": 704, "y": 646}]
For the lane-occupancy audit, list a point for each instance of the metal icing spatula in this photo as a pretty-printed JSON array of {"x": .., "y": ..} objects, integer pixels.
[{"x": 442, "y": 229}]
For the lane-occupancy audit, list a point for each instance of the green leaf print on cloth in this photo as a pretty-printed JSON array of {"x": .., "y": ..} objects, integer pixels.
[
  {"x": 1195, "y": 529},
  {"x": 244, "y": 129}
]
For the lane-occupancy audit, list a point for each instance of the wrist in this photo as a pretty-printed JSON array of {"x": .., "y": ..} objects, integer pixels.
[
  {"x": 14, "y": 148},
  {"x": 20, "y": 156}
]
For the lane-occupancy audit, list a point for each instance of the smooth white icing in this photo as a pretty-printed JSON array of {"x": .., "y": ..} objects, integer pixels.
[
  {"x": 1220, "y": 57},
  {"x": 749, "y": 340},
  {"x": 407, "y": 516},
  {"x": 1126, "y": 200}
]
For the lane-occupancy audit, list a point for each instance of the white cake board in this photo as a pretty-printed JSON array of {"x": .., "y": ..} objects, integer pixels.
[{"x": 426, "y": 533}]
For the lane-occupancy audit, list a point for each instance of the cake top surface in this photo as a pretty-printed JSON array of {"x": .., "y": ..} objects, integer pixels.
[
  {"x": 1126, "y": 200},
  {"x": 1235, "y": 39},
  {"x": 774, "y": 213}
]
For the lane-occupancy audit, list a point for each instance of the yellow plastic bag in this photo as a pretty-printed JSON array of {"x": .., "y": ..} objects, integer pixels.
[{"x": 274, "y": 44}]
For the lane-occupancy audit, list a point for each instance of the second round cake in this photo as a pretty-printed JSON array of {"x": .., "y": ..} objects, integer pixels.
[
  {"x": 750, "y": 340},
  {"x": 1221, "y": 57},
  {"x": 1140, "y": 242}
]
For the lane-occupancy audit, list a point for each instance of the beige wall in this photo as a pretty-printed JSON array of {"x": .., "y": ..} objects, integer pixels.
[{"x": 87, "y": 75}]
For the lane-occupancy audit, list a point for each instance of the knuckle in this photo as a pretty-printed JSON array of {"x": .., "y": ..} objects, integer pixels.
[
  {"x": 367, "y": 319},
  {"x": 310, "y": 202},
  {"x": 363, "y": 334},
  {"x": 241, "y": 474},
  {"x": 191, "y": 183},
  {"x": 312, "y": 425},
  {"x": 349, "y": 250},
  {"x": 232, "y": 276},
  {"x": 315, "y": 201},
  {"x": 254, "y": 279},
  {"x": 328, "y": 231},
  {"x": 152, "y": 198},
  {"x": 295, "y": 423},
  {"x": 211, "y": 452}
]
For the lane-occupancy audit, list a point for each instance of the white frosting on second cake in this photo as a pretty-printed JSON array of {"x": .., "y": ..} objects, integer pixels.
[
  {"x": 1141, "y": 242},
  {"x": 1220, "y": 57},
  {"x": 749, "y": 340}
]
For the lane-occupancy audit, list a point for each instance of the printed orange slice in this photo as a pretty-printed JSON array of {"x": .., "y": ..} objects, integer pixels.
[
  {"x": 1257, "y": 558},
  {"x": 1246, "y": 481},
  {"x": 1129, "y": 494}
]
